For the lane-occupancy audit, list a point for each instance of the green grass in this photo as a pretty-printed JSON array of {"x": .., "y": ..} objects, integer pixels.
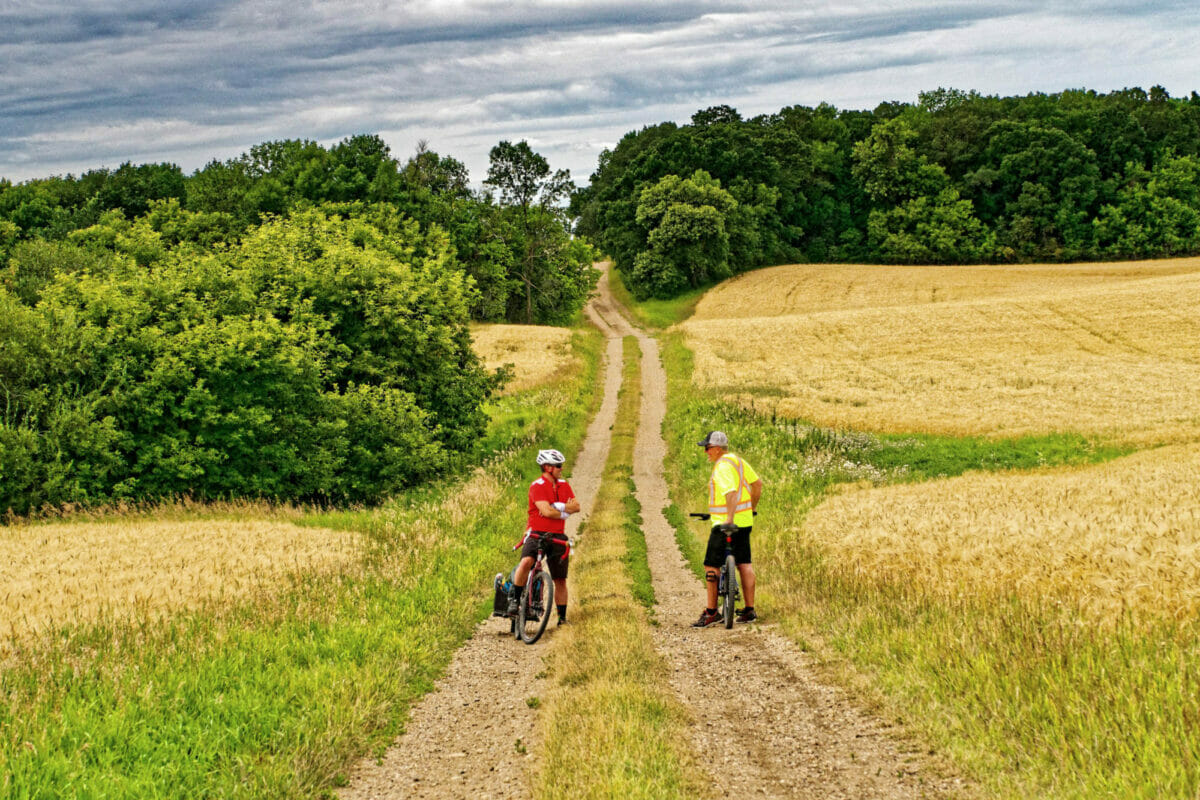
[
  {"x": 635, "y": 559},
  {"x": 277, "y": 696},
  {"x": 689, "y": 542},
  {"x": 1024, "y": 699},
  {"x": 653, "y": 313}
]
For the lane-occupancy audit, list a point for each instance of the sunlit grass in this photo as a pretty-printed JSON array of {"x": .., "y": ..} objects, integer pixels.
[
  {"x": 1103, "y": 350},
  {"x": 1027, "y": 696}
]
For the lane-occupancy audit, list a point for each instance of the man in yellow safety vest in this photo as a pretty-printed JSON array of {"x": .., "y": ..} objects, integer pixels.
[{"x": 733, "y": 493}]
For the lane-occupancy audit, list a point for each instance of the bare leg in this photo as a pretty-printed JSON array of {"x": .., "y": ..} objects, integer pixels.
[
  {"x": 560, "y": 591},
  {"x": 712, "y": 575},
  {"x": 523, "y": 571},
  {"x": 748, "y": 581}
]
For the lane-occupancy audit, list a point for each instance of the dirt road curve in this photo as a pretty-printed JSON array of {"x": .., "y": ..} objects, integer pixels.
[{"x": 773, "y": 728}]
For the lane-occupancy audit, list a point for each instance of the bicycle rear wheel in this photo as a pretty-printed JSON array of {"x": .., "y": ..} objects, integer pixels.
[
  {"x": 535, "y": 607},
  {"x": 731, "y": 591}
]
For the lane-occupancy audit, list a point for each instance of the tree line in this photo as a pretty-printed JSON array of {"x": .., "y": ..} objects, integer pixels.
[
  {"x": 955, "y": 178},
  {"x": 289, "y": 324}
]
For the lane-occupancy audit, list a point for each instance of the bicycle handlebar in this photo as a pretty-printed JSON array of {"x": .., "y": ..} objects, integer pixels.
[{"x": 707, "y": 517}]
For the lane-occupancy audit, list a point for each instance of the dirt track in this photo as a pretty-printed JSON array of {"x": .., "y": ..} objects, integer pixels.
[{"x": 776, "y": 730}]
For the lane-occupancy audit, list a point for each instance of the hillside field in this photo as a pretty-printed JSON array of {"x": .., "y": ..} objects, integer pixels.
[
  {"x": 980, "y": 500},
  {"x": 535, "y": 352},
  {"x": 1098, "y": 349}
]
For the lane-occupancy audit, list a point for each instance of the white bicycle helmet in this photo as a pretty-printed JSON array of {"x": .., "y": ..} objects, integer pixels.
[{"x": 550, "y": 457}]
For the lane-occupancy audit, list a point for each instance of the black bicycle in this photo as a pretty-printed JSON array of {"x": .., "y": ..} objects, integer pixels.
[
  {"x": 728, "y": 593},
  {"x": 534, "y": 610}
]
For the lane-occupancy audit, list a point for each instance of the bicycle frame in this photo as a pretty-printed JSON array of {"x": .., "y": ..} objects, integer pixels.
[{"x": 539, "y": 576}]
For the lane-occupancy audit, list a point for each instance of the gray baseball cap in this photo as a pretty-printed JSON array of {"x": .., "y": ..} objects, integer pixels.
[{"x": 714, "y": 439}]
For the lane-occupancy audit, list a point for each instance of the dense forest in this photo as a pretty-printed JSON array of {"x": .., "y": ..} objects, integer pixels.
[
  {"x": 288, "y": 324},
  {"x": 956, "y": 178}
]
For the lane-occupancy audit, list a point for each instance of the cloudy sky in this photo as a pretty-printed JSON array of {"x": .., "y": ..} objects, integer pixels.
[{"x": 99, "y": 82}]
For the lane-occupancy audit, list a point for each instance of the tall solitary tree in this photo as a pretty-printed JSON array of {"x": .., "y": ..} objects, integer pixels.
[{"x": 553, "y": 272}]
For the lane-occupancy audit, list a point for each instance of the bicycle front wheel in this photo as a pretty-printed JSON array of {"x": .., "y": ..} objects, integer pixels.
[
  {"x": 731, "y": 591},
  {"x": 535, "y": 607}
]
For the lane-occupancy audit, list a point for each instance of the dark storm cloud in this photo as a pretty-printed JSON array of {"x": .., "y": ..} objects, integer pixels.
[{"x": 85, "y": 84}]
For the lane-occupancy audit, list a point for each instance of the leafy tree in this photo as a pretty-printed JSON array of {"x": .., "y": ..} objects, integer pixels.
[
  {"x": 36, "y": 262},
  {"x": 177, "y": 225},
  {"x": 942, "y": 229},
  {"x": 523, "y": 177},
  {"x": 890, "y": 170},
  {"x": 1039, "y": 185},
  {"x": 439, "y": 176},
  {"x": 550, "y": 275},
  {"x": 9, "y": 235},
  {"x": 116, "y": 234},
  {"x": 132, "y": 189},
  {"x": 687, "y": 234},
  {"x": 1156, "y": 213},
  {"x": 221, "y": 187},
  {"x": 716, "y": 115},
  {"x": 319, "y": 359}
]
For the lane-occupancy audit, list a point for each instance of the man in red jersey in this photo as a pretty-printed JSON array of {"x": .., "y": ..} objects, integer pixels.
[{"x": 551, "y": 501}]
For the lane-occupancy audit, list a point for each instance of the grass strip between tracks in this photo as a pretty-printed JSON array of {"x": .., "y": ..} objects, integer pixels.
[
  {"x": 275, "y": 696},
  {"x": 612, "y": 726}
]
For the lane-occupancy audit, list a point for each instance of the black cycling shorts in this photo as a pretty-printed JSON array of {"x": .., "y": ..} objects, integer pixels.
[
  {"x": 714, "y": 556},
  {"x": 557, "y": 554}
]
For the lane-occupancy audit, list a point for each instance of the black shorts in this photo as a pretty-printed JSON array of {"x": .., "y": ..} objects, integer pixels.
[
  {"x": 714, "y": 556},
  {"x": 556, "y": 554}
]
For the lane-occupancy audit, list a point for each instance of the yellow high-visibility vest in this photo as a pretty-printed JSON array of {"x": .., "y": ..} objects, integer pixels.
[{"x": 716, "y": 505}]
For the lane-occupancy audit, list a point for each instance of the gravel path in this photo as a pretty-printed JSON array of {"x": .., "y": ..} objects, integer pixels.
[
  {"x": 461, "y": 739},
  {"x": 774, "y": 728}
]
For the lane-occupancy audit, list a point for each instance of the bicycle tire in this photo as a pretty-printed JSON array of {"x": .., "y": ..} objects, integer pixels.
[
  {"x": 539, "y": 592},
  {"x": 731, "y": 591}
]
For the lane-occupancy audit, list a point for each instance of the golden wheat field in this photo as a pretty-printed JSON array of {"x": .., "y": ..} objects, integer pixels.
[
  {"x": 536, "y": 352},
  {"x": 813, "y": 288},
  {"x": 1123, "y": 537},
  {"x": 1101, "y": 349},
  {"x": 75, "y": 572}
]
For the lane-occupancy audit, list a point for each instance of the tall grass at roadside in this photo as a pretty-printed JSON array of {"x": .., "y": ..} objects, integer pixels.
[
  {"x": 612, "y": 726},
  {"x": 1025, "y": 697},
  {"x": 275, "y": 695}
]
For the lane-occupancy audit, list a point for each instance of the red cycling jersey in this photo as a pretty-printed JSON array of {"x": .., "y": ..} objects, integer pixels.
[{"x": 552, "y": 491}]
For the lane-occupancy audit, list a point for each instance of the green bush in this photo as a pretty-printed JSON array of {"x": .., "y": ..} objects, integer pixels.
[{"x": 320, "y": 359}]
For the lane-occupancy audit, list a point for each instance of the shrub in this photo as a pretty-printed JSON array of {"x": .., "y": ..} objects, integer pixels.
[{"x": 320, "y": 359}]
